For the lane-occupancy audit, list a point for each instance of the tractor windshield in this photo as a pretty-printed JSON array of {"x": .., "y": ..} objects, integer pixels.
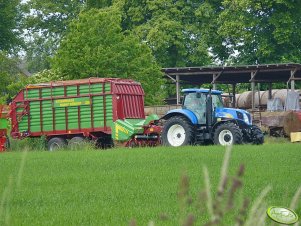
[{"x": 217, "y": 101}]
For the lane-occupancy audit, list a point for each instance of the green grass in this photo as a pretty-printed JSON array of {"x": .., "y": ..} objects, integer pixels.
[{"x": 112, "y": 187}]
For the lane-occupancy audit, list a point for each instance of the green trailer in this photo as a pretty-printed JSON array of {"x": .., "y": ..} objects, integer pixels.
[
  {"x": 67, "y": 112},
  {"x": 4, "y": 141}
]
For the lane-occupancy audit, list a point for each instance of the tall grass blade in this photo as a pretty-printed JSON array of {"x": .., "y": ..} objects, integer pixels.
[
  {"x": 253, "y": 214},
  {"x": 208, "y": 193}
]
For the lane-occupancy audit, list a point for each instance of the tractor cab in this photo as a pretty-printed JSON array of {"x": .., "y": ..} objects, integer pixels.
[{"x": 196, "y": 100}]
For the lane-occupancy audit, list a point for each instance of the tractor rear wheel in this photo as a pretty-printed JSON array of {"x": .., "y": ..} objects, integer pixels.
[
  {"x": 228, "y": 133},
  {"x": 257, "y": 135},
  {"x": 177, "y": 131},
  {"x": 56, "y": 143}
]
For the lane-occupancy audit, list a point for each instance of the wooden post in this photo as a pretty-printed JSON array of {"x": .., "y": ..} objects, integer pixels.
[
  {"x": 292, "y": 81},
  {"x": 253, "y": 95},
  {"x": 259, "y": 99},
  {"x": 214, "y": 86},
  {"x": 253, "y": 74},
  {"x": 215, "y": 76},
  {"x": 270, "y": 91},
  {"x": 178, "y": 88}
]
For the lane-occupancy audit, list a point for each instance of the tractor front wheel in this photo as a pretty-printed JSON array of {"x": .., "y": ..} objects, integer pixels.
[
  {"x": 177, "y": 131},
  {"x": 257, "y": 135},
  {"x": 228, "y": 133}
]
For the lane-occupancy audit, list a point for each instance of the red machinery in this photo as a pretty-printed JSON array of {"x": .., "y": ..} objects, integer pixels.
[
  {"x": 3, "y": 127},
  {"x": 67, "y": 112}
]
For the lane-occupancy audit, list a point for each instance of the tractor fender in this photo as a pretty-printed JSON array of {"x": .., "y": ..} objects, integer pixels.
[
  {"x": 241, "y": 124},
  {"x": 223, "y": 121},
  {"x": 182, "y": 112}
]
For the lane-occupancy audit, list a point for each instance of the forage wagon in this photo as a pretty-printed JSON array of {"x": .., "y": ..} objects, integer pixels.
[{"x": 67, "y": 112}]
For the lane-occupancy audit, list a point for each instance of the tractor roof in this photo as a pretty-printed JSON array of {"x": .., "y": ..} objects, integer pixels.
[{"x": 201, "y": 91}]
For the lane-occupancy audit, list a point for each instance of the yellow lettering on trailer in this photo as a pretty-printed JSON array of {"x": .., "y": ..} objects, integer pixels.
[{"x": 72, "y": 102}]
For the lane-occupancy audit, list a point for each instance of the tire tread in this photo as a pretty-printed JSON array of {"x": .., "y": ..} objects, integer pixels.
[{"x": 236, "y": 131}]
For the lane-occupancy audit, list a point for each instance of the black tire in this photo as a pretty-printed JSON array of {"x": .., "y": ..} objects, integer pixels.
[
  {"x": 105, "y": 142},
  {"x": 257, "y": 135},
  {"x": 228, "y": 133},
  {"x": 76, "y": 143},
  {"x": 177, "y": 131},
  {"x": 56, "y": 143}
]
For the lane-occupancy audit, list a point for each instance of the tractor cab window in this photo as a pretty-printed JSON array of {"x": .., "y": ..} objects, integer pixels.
[
  {"x": 196, "y": 102},
  {"x": 217, "y": 101}
]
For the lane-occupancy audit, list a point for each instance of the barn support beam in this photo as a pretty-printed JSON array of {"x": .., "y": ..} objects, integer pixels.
[
  {"x": 270, "y": 91},
  {"x": 214, "y": 78},
  {"x": 292, "y": 79},
  {"x": 214, "y": 86},
  {"x": 252, "y": 80},
  {"x": 178, "y": 88},
  {"x": 253, "y": 95},
  {"x": 259, "y": 99}
]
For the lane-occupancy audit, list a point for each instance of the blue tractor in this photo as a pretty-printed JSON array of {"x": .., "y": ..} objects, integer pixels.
[{"x": 204, "y": 119}]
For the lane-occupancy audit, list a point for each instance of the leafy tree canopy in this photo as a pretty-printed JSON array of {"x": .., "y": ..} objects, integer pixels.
[
  {"x": 45, "y": 23},
  {"x": 9, "y": 17},
  {"x": 96, "y": 46},
  {"x": 10, "y": 78},
  {"x": 170, "y": 28},
  {"x": 262, "y": 31}
]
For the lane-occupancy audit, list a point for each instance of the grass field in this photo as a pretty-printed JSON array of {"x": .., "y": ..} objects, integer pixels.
[{"x": 114, "y": 186}]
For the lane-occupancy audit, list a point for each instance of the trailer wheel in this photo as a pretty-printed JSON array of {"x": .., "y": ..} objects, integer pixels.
[
  {"x": 257, "y": 135},
  {"x": 177, "y": 131},
  {"x": 227, "y": 134},
  {"x": 76, "y": 142},
  {"x": 56, "y": 143}
]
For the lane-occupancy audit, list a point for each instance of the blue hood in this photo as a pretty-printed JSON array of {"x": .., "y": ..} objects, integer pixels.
[{"x": 233, "y": 113}]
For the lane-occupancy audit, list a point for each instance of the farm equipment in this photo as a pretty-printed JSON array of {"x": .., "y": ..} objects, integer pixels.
[
  {"x": 4, "y": 141},
  {"x": 67, "y": 112},
  {"x": 203, "y": 118},
  {"x": 283, "y": 123}
]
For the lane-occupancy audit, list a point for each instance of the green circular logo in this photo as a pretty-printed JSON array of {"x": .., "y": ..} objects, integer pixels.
[{"x": 282, "y": 215}]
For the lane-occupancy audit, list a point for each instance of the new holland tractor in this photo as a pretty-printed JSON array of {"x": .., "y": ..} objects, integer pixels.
[{"x": 204, "y": 119}]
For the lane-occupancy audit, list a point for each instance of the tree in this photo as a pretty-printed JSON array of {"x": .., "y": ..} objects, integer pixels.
[
  {"x": 46, "y": 22},
  {"x": 249, "y": 32},
  {"x": 98, "y": 4},
  {"x": 171, "y": 30},
  {"x": 9, "y": 17},
  {"x": 11, "y": 79},
  {"x": 96, "y": 46}
]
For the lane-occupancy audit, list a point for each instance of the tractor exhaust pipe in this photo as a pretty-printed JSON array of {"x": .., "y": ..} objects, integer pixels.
[{"x": 209, "y": 111}]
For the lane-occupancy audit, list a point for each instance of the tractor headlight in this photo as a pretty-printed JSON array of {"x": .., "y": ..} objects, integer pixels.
[{"x": 246, "y": 119}]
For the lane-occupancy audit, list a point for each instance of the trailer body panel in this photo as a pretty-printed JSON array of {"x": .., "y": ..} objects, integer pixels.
[{"x": 75, "y": 107}]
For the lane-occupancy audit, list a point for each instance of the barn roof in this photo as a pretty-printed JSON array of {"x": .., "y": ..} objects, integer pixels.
[{"x": 265, "y": 73}]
